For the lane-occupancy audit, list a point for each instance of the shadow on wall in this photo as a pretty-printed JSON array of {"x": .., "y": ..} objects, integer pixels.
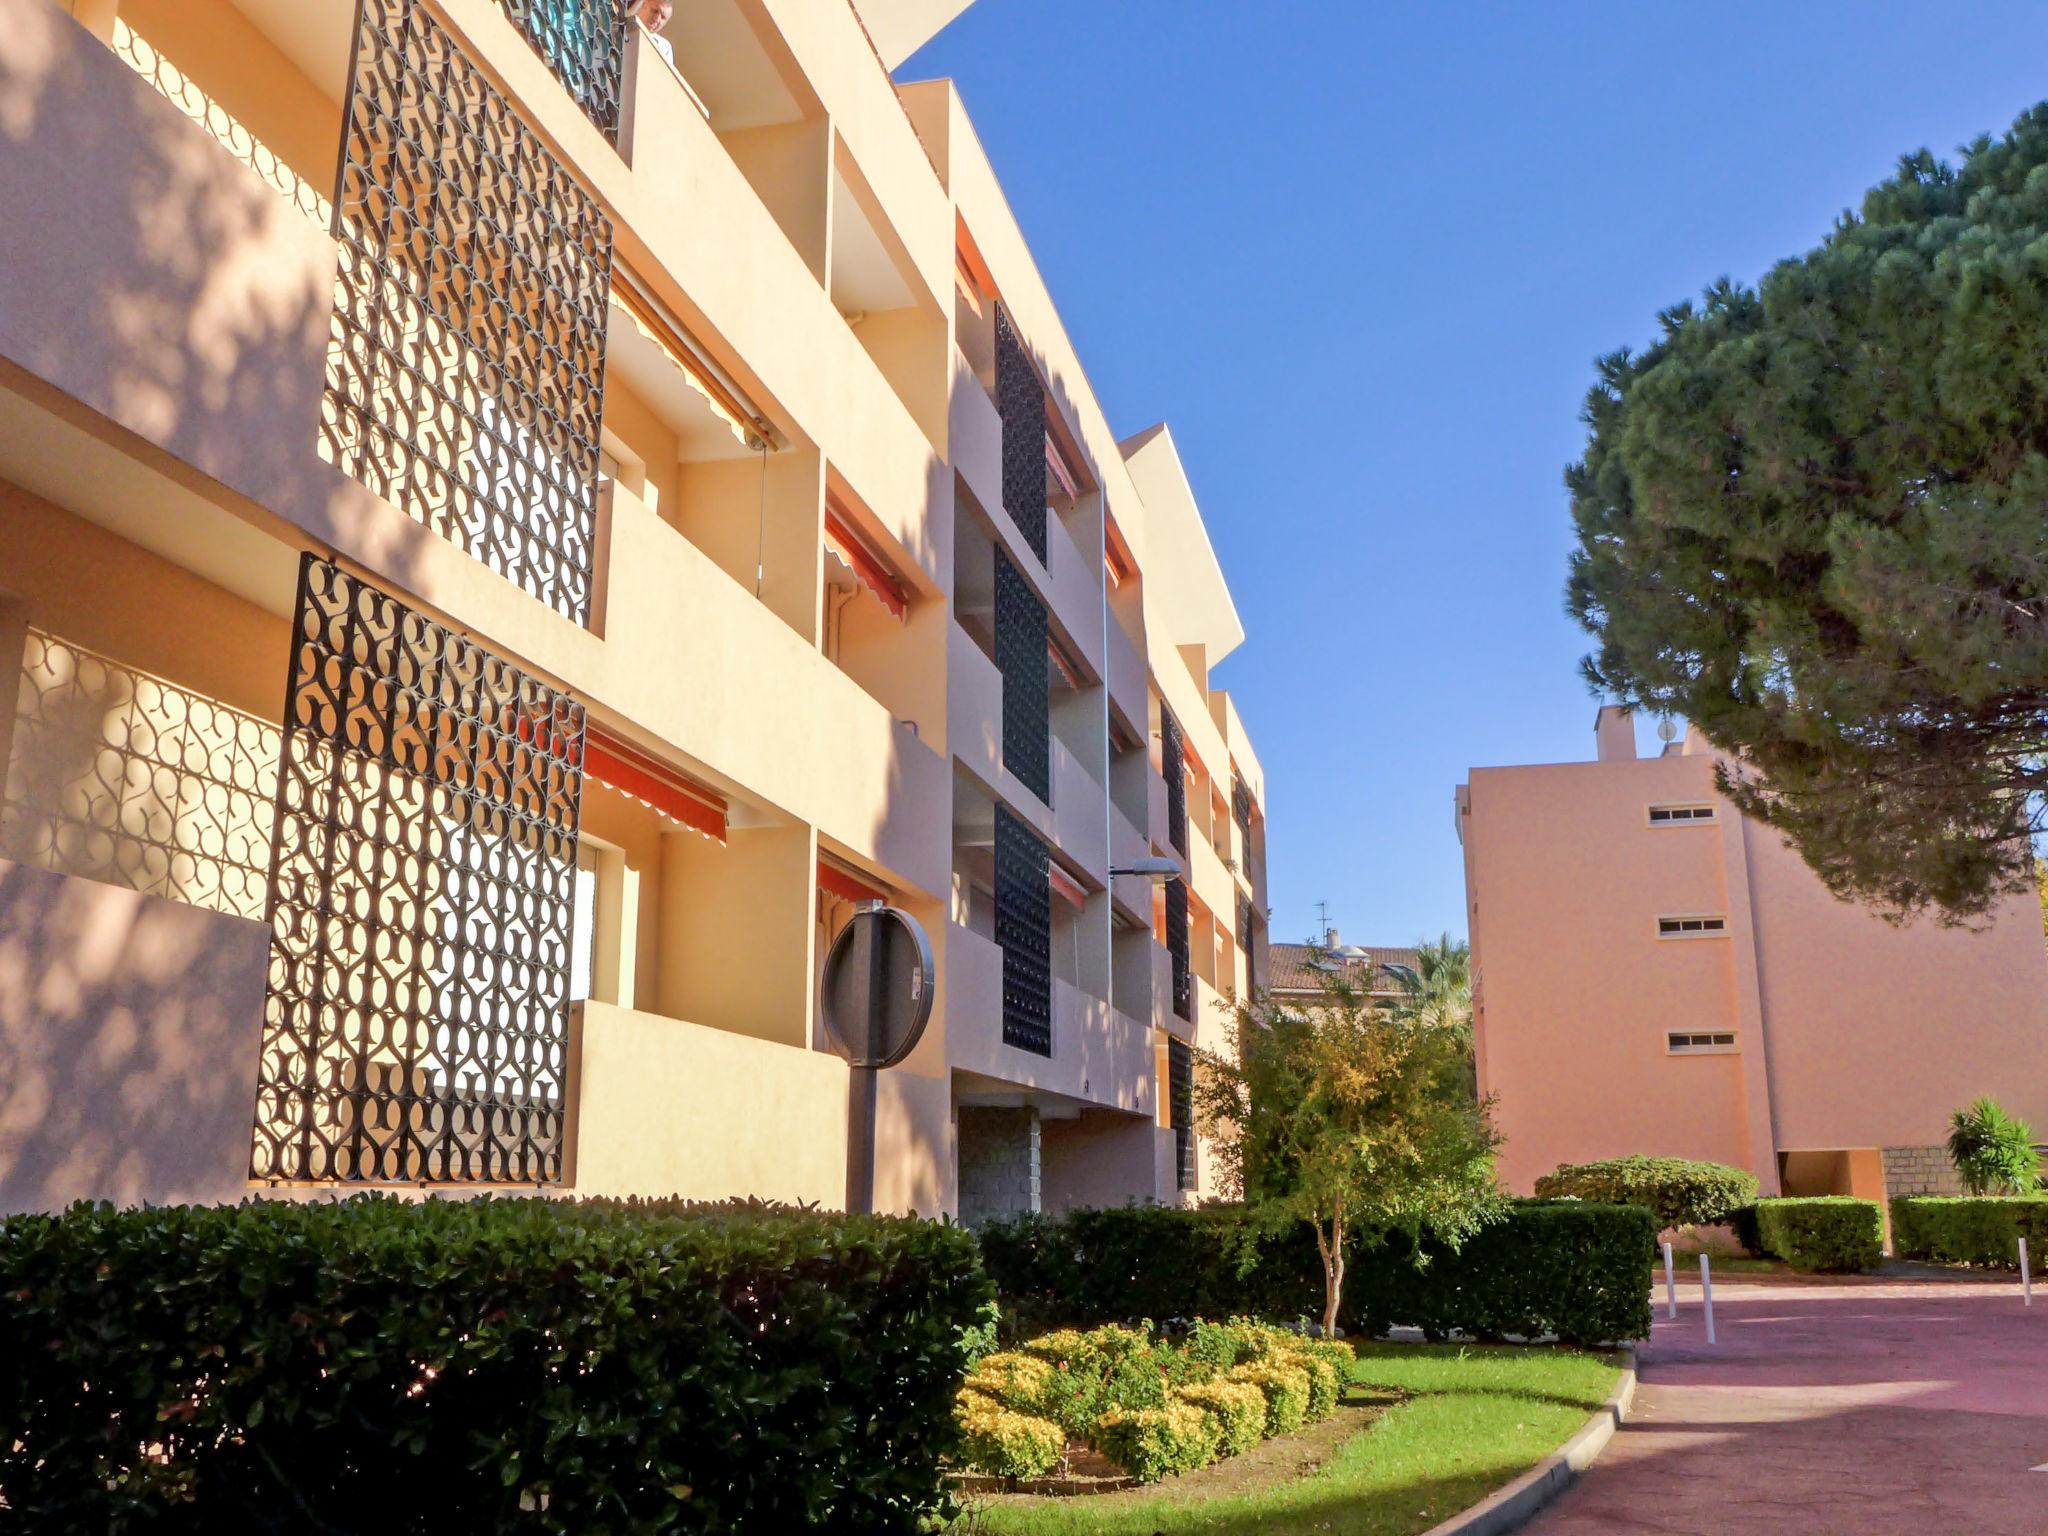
[
  {"x": 196, "y": 300},
  {"x": 129, "y": 1031}
]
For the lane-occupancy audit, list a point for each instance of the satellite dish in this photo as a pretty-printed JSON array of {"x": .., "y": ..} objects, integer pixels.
[
  {"x": 876, "y": 996},
  {"x": 1666, "y": 731}
]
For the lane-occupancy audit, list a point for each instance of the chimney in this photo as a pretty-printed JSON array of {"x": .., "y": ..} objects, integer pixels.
[
  {"x": 1329, "y": 938},
  {"x": 1614, "y": 734}
]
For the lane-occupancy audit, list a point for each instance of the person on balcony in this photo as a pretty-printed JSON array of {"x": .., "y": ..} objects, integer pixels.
[{"x": 654, "y": 15}]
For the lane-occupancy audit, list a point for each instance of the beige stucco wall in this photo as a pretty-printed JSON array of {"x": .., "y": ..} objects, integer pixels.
[{"x": 128, "y": 1040}]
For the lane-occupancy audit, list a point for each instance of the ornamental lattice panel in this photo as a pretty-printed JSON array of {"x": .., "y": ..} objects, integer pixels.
[
  {"x": 465, "y": 372},
  {"x": 1241, "y": 807},
  {"x": 1022, "y": 639},
  {"x": 584, "y": 43},
  {"x": 1174, "y": 769},
  {"x": 1247, "y": 941},
  {"x": 1020, "y": 401},
  {"x": 1180, "y": 1077},
  {"x": 1024, "y": 930},
  {"x": 1177, "y": 948},
  {"x": 417, "y": 1020},
  {"x": 120, "y": 776}
]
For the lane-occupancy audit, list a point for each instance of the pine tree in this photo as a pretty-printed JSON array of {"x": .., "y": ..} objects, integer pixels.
[{"x": 1813, "y": 519}]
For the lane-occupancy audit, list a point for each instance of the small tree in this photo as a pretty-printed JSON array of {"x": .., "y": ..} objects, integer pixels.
[
  {"x": 1993, "y": 1153},
  {"x": 1353, "y": 1118}
]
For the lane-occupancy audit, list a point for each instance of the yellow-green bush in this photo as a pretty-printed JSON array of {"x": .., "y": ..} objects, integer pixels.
[
  {"x": 1150, "y": 1443},
  {"x": 1005, "y": 1443},
  {"x": 1323, "y": 1383},
  {"x": 1238, "y": 1407},
  {"x": 1285, "y": 1386}
]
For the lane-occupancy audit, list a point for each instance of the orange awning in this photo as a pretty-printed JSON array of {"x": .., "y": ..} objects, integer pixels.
[
  {"x": 1057, "y": 464},
  {"x": 842, "y": 882},
  {"x": 1063, "y": 885},
  {"x": 655, "y": 785},
  {"x": 865, "y": 564}
]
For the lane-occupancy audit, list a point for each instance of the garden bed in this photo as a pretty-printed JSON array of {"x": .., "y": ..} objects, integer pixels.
[{"x": 1425, "y": 1431}]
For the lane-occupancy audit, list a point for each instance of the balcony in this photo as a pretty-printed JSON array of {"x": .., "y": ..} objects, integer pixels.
[
  {"x": 1125, "y": 671},
  {"x": 1077, "y": 811},
  {"x": 655, "y": 1112},
  {"x": 1100, "y": 1057}
]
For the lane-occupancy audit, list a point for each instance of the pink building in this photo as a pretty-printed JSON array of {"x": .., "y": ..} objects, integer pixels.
[{"x": 1657, "y": 974}]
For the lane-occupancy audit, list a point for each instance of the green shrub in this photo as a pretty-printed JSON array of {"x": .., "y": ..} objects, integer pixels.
[
  {"x": 1150, "y": 1443},
  {"x": 483, "y": 1365},
  {"x": 1983, "y": 1230},
  {"x": 1677, "y": 1191},
  {"x": 1823, "y": 1232},
  {"x": 1568, "y": 1268},
  {"x": 1238, "y": 1407},
  {"x": 1285, "y": 1385},
  {"x": 1993, "y": 1153},
  {"x": 1005, "y": 1443},
  {"x": 1743, "y": 1224},
  {"x": 1324, "y": 1383}
]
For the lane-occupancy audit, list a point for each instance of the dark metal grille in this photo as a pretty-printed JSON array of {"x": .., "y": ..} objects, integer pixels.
[
  {"x": 465, "y": 374},
  {"x": 1022, "y": 635},
  {"x": 1241, "y": 806},
  {"x": 1177, "y": 948},
  {"x": 1173, "y": 768},
  {"x": 1180, "y": 1078},
  {"x": 1247, "y": 935},
  {"x": 1024, "y": 930},
  {"x": 421, "y": 904},
  {"x": 1020, "y": 401},
  {"x": 584, "y": 43}
]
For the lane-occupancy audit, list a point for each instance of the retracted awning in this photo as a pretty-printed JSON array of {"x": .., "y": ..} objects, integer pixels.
[
  {"x": 697, "y": 372},
  {"x": 864, "y": 562},
  {"x": 836, "y": 879},
  {"x": 655, "y": 785}
]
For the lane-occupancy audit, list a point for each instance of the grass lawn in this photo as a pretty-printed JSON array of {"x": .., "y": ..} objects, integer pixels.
[{"x": 1460, "y": 1421}]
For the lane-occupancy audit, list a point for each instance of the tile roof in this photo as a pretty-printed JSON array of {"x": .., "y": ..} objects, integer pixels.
[{"x": 1291, "y": 971}]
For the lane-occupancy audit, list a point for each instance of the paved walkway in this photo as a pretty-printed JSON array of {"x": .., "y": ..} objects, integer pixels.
[{"x": 1913, "y": 1409}]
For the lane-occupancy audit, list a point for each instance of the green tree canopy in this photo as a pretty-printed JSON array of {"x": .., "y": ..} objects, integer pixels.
[
  {"x": 1354, "y": 1118},
  {"x": 1813, "y": 519}
]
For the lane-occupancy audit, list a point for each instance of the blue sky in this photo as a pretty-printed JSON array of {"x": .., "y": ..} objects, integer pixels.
[{"x": 1361, "y": 256}]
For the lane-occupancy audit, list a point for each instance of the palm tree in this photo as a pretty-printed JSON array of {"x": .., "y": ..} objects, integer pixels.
[{"x": 1439, "y": 989}]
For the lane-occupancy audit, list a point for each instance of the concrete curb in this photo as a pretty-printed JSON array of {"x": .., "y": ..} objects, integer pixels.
[{"x": 1508, "y": 1509}]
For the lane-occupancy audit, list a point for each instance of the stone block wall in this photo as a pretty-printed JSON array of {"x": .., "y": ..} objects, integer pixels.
[
  {"x": 999, "y": 1163},
  {"x": 1919, "y": 1171}
]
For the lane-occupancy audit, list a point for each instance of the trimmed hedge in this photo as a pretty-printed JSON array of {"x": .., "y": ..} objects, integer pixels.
[
  {"x": 1677, "y": 1191},
  {"x": 1979, "y": 1229},
  {"x": 1561, "y": 1267},
  {"x": 481, "y": 1366},
  {"x": 1832, "y": 1233}
]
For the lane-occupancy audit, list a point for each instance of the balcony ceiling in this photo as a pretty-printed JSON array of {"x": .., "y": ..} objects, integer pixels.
[{"x": 900, "y": 27}]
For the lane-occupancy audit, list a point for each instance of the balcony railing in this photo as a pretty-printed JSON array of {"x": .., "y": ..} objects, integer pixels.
[
  {"x": 1022, "y": 635},
  {"x": 1024, "y": 930},
  {"x": 584, "y": 43}
]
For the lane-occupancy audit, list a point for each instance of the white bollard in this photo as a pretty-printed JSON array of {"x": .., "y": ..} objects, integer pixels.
[
  {"x": 1707, "y": 1294},
  {"x": 2026, "y": 1277},
  {"x": 1671, "y": 1285}
]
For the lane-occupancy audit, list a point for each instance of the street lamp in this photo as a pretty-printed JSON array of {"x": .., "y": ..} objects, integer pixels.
[{"x": 1156, "y": 869}]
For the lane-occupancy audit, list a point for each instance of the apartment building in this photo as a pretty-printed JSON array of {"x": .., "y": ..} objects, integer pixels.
[
  {"x": 1655, "y": 973},
  {"x": 508, "y": 532}
]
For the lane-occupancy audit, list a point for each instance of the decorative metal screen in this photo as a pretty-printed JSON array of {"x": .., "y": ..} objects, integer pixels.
[
  {"x": 1177, "y": 948},
  {"x": 1174, "y": 769},
  {"x": 1020, "y": 401},
  {"x": 584, "y": 43},
  {"x": 119, "y": 776},
  {"x": 422, "y": 892},
  {"x": 1022, "y": 635},
  {"x": 1024, "y": 930},
  {"x": 465, "y": 375},
  {"x": 1247, "y": 941},
  {"x": 1180, "y": 1078},
  {"x": 1241, "y": 806}
]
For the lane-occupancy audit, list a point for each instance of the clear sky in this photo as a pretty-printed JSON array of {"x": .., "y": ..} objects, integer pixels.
[{"x": 1361, "y": 256}]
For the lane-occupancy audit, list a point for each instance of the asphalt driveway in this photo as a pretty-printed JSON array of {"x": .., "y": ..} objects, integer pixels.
[{"x": 1917, "y": 1408}]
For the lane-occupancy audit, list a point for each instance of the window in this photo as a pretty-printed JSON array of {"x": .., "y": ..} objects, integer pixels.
[
  {"x": 1679, "y": 815},
  {"x": 1691, "y": 927},
  {"x": 1700, "y": 1043}
]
